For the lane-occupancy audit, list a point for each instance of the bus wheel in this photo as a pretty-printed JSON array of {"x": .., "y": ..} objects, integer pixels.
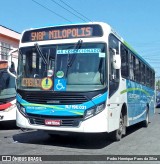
[
  {"x": 146, "y": 121},
  {"x": 117, "y": 134}
]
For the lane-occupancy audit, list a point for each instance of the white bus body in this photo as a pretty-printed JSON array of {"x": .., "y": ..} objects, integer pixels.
[
  {"x": 72, "y": 78},
  {"x": 7, "y": 91}
]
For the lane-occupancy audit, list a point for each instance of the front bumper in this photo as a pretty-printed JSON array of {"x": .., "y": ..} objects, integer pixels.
[
  {"x": 97, "y": 123},
  {"x": 8, "y": 115}
]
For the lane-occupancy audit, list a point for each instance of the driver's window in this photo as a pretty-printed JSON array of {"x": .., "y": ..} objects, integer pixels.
[{"x": 113, "y": 73}]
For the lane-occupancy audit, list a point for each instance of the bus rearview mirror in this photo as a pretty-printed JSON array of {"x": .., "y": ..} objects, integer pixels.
[{"x": 116, "y": 60}]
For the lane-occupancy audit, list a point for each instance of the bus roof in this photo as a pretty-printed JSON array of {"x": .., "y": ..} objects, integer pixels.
[{"x": 102, "y": 24}]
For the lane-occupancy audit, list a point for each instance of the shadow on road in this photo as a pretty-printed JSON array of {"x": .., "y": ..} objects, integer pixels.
[
  {"x": 80, "y": 141},
  {"x": 74, "y": 140},
  {"x": 133, "y": 128}
]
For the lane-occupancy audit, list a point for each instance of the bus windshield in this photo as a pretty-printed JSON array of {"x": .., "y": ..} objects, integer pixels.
[
  {"x": 7, "y": 85},
  {"x": 77, "y": 67}
]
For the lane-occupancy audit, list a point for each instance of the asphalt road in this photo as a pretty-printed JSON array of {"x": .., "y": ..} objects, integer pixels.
[{"x": 138, "y": 141}]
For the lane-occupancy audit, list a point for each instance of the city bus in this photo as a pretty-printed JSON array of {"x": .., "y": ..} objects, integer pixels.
[
  {"x": 82, "y": 78},
  {"x": 7, "y": 91}
]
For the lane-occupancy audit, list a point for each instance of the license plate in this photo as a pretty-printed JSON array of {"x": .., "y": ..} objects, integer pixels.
[{"x": 53, "y": 122}]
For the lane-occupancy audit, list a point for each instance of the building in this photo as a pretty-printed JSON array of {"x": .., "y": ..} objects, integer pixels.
[{"x": 9, "y": 39}]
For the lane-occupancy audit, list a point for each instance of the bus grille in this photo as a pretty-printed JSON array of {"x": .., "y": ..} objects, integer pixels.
[
  {"x": 74, "y": 122},
  {"x": 52, "y": 98}
]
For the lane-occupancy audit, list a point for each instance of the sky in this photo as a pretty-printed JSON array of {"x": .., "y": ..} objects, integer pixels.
[{"x": 136, "y": 21}]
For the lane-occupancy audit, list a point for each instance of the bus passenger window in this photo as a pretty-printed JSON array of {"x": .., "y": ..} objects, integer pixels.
[
  {"x": 124, "y": 61},
  {"x": 131, "y": 67}
]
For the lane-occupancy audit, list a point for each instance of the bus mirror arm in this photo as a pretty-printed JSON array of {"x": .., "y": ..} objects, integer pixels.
[
  {"x": 10, "y": 62},
  {"x": 116, "y": 60}
]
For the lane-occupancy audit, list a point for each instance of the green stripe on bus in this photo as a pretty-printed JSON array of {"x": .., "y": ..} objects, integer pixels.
[
  {"x": 54, "y": 107},
  {"x": 134, "y": 89},
  {"x": 47, "y": 106}
]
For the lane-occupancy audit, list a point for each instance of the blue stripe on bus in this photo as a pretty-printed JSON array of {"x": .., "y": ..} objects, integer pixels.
[
  {"x": 138, "y": 96},
  {"x": 61, "y": 110}
]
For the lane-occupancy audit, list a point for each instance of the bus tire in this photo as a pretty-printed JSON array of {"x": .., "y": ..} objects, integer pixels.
[
  {"x": 146, "y": 121},
  {"x": 117, "y": 134}
]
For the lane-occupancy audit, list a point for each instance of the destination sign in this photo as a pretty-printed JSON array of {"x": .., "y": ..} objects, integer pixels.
[
  {"x": 31, "y": 82},
  {"x": 62, "y": 32}
]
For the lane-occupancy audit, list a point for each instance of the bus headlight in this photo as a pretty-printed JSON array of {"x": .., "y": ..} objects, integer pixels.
[
  {"x": 93, "y": 111},
  {"x": 21, "y": 109},
  {"x": 89, "y": 113},
  {"x": 99, "y": 108}
]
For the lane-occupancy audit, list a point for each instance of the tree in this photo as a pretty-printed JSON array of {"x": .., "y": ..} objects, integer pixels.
[{"x": 158, "y": 85}]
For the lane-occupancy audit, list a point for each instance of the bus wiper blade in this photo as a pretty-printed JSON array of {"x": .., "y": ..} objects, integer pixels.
[
  {"x": 70, "y": 61},
  {"x": 40, "y": 53},
  {"x": 76, "y": 47}
]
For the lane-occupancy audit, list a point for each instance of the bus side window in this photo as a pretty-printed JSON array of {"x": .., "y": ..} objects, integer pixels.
[
  {"x": 113, "y": 76},
  {"x": 143, "y": 74},
  {"x": 113, "y": 73},
  {"x": 131, "y": 67},
  {"x": 124, "y": 61},
  {"x": 140, "y": 72},
  {"x": 137, "y": 70}
]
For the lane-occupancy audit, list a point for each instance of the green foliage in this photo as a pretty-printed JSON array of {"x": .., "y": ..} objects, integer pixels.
[{"x": 158, "y": 85}]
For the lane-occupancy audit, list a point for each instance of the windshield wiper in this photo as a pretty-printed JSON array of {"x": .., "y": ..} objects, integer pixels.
[
  {"x": 71, "y": 61},
  {"x": 76, "y": 47},
  {"x": 40, "y": 53}
]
